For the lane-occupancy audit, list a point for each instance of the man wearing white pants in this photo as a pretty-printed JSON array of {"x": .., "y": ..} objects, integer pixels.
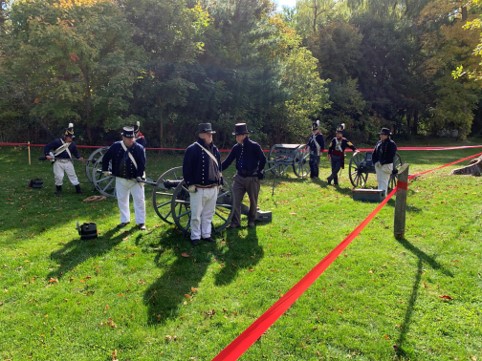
[
  {"x": 126, "y": 161},
  {"x": 203, "y": 205},
  {"x": 123, "y": 189},
  {"x": 60, "y": 151},
  {"x": 382, "y": 156},
  {"x": 202, "y": 175}
]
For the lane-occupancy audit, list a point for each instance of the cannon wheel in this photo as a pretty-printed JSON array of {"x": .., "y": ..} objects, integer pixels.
[
  {"x": 162, "y": 194},
  {"x": 301, "y": 165},
  {"x": 397, "y": 163},
  {"x": 181, "y": 211},
  {"x": 94, "y": 158},
  {"x": 275, "y": 166},
  {"x": 105, "y": 185},
  {"x": 358, "y": 175}
]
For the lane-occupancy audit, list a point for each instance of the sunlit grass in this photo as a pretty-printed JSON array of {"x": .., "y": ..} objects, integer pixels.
[{"x": 151, "y": 296}]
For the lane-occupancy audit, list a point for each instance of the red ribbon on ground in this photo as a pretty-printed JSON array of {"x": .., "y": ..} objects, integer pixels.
[
  {"x": 234, "y": 350},
  {"x": 244, "y": 341}
]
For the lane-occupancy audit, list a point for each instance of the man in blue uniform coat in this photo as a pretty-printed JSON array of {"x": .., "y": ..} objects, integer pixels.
[
  {"x": 316, "y": 143},
  {"x": 201, "y": 169},
  {"x": 250, "y": 162},
  {"x": 60, "y": 151},
  {"x": 128, "y": 161},
  {"x": 382, "y": 157}
]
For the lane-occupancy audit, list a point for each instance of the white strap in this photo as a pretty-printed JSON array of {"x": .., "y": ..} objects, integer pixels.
[
  {"x": 64, "y": 146},
  {"x": 210, "y": 154},
  {"x": 316, "y": 144},
  {"x": 130, "y": 154}
]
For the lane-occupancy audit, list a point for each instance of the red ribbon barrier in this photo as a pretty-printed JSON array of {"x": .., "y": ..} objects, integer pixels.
[
  {"x": 25, "y": 144},
  {"x": 244, "y": 341},
  {"x": 443, "y": 166}
]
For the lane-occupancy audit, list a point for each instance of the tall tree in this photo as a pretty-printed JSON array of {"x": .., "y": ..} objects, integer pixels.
[
  {"x": 67, "y": 60},
  {"x": 170, "y": 34}
]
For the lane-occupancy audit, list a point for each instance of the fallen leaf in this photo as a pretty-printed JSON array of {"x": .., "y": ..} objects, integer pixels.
[
  {"x": 111, "y": 323},
  {"x": 185, "y": 254},
  {"x": 446, "y": 297},
  {"x": 188, "y": 296},
  {"x": 170, "y": 338},
  {"x": 193, "y": 289},
  {"x": 114, "y": 356},
  {"x": 53, "y": 280}
]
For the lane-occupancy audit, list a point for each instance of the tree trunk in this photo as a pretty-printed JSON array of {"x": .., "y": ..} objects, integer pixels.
[{"x": 161, "y": 130}]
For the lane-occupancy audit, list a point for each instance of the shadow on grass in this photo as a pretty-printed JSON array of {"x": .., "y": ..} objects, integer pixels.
[
  {"x": 422, "y": 258},
  {"x": 175, "y": 286},
  {"x": 242, "y": 253},
  {"x": 78, "y": 251}
]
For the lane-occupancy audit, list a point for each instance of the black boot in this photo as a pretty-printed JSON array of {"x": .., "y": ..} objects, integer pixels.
[
  {"x": 77, "y": 189},
  {"x": 58, "y": 190},
  {"x": 329, "y": 179}
]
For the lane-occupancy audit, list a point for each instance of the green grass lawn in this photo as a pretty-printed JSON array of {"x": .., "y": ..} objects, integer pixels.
[{"x": 151, "y": 296}]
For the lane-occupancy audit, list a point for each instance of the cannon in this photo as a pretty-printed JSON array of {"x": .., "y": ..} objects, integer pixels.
[
  {"x": 170, "y": 196},
  {"x": 105, "y": 185},
  {"x": 282, "y": 157},
  {"x": 361, "y": 165}
]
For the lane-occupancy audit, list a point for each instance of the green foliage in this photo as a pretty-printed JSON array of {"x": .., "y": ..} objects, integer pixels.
[
  {"x": 85, "y": 62},
  {"x": 174, "y": 63}
]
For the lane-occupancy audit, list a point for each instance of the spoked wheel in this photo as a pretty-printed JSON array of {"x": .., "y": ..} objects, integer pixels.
[
  {"x": 181, "y": 210},
  {"x": 397, "y": 163},
  {"x": 276, "y": 160},
  {"x": 162, "y": 194},
  {"x": 105, "y": 185},
  {"x": 276, "y": 169},
  {"x": 357, "y": 171},
  {"x": 301, "y": 165},
  {"x": 93, "y": 160}
]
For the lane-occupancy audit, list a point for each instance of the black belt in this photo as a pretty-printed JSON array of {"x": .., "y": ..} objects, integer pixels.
[
  {"x": 246, "y": 175},
  {"x": 205, "y": 186}
]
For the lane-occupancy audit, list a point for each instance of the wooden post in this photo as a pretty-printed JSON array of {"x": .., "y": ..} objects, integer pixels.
[
  {"x": 401, "y": 203},
  {"x": 28, "y": 151}
]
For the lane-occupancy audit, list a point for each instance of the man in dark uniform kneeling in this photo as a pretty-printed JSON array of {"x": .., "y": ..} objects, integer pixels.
[{"x": 250, "y": 162}]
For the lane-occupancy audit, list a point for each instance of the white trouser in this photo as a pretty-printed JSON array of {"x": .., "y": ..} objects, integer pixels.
[
  {"x": 61, "y": 166},
  {"x": 203, "y": 206},
  {"x": 123, "y": 189},
  {"x": 383, "y": 175}
]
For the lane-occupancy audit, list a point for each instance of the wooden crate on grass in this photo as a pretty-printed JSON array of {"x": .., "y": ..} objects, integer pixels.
[{"x": 368, "y": 195}]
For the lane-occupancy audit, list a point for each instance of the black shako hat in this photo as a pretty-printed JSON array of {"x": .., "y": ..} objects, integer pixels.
[
  {"x": 315, "y": 125},
  {"x": 240, "y": 129},
  {"x": 69, "y": 131},
  {"x": 136, "y": 127},
  {"x": 385, "y": 131},
  {"x": 205, "y": 128},
  {"x": 128, "y": 132}
]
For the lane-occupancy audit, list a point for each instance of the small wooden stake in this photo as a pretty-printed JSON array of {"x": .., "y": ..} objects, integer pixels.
[{"x": 28, "y": 151}]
